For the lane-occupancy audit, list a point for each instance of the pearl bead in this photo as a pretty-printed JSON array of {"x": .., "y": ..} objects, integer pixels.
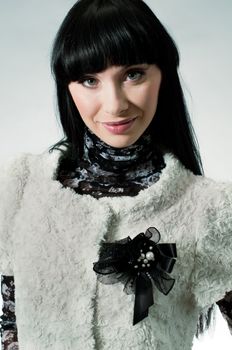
[
  {"x": 143, "y": 265},
  {"x": 142, "y": 256},
  {"x": 150, "y": 256},
  {"x": 145, "y": 261},
  {"x": 150, "y": 247},
  {"x": 136, "y": 266},
  {"x": 148, "y": 265}
]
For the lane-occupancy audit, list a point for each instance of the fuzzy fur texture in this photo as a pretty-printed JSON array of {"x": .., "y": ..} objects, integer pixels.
[{"x": 50, "y": 238}]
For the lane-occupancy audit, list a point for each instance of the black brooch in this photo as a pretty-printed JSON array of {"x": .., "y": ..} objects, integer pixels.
[{"x": 138, "y": 263}]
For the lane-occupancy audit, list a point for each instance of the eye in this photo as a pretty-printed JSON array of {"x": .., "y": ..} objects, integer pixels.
[
  {"x": 135, "y": 75},
  {"x": 88, "y": 81}
]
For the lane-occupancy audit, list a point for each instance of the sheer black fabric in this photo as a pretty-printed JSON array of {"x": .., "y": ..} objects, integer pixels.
[
  {"x": 9, "y": 336},
  {"x": 109, "y": 171},
  {"x": 138, "y": 263}
]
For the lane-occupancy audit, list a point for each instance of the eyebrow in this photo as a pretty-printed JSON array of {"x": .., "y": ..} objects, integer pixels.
[{"x": 143, "y": 66}]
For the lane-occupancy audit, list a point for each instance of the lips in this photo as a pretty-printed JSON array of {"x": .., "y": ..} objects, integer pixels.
[
  {"x": 121, "y": 122},
  {"x": 120, "y": 128}
]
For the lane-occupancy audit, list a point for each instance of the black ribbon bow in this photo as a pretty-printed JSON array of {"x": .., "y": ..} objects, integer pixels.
[{"x": 138, "y": 263}]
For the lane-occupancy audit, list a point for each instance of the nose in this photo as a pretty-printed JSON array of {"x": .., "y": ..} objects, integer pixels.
[{"x": 115, "y": 101}]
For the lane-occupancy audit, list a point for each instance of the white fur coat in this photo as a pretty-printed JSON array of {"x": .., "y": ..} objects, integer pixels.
[{"x": 50, "y": 236}]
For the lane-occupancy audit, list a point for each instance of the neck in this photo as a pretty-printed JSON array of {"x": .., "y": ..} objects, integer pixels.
[
  {"x": 108, "y": 171},
  {"x": 117, "y": 159}
]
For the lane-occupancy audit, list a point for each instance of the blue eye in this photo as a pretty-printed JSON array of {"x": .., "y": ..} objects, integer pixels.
[
  {"x": 135, "y": 75},
  {"x": 87, "y": 81}
]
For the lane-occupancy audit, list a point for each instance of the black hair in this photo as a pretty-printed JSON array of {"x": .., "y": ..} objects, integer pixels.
[{"x": 98, "y": 33}]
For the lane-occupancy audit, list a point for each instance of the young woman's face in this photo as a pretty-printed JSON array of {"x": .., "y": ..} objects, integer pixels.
[{"x": 115, "y": 95}]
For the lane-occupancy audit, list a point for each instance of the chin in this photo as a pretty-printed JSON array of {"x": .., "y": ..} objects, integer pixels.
[{"x": 119, "y": 143}]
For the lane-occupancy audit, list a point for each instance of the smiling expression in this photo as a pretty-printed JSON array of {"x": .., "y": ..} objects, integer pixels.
[{"x": 116, "y": 94}]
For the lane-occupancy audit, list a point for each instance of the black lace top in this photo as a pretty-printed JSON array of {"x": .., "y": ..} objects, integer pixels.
[{"x": 109, "y": 171}]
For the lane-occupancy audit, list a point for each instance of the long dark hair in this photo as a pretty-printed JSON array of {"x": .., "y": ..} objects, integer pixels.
[{"x": 99, "y": 33}]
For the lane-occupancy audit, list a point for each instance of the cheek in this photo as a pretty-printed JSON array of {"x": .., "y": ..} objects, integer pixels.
[
  {"x": 152, "y": 96},
  {"x": 147, "y": 97},
  {"x": 86, "y": 109}
]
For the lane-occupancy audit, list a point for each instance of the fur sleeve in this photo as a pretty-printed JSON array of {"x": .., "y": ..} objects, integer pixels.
[
  {"x": 13, "y": 175},
  {"x": 212, "y": 274}
]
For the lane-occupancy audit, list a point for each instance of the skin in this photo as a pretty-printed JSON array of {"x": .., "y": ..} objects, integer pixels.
[{"x": 116, "y": 94}]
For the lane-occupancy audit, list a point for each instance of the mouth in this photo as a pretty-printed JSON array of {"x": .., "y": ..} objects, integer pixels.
[
  {"x": 117, "y": 129},
  {"x": 120, "y": 122}
]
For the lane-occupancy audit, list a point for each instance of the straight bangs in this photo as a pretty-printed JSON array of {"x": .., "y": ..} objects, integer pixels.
[
  {"x": 98, "y": 33},
  {"x": 113, "y": 34}
]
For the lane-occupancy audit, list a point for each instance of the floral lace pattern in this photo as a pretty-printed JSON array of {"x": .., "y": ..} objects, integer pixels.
[
  {"x": 107, "y": 171},
  {"x": 9, "y": 336}
]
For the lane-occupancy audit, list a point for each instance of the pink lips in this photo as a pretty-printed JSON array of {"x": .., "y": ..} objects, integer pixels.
[{"x": 119, "y": 128}]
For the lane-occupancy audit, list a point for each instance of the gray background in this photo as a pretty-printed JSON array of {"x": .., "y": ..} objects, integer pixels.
[{"x": 202, "y": 31}]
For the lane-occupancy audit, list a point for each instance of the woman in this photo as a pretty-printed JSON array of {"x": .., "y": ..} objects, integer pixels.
[{"x": 80, "y": 282}]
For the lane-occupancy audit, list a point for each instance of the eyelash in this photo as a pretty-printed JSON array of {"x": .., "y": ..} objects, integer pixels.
[
  {"x": 86, "y": 78},
  {"x": 141, "y": 72}
]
